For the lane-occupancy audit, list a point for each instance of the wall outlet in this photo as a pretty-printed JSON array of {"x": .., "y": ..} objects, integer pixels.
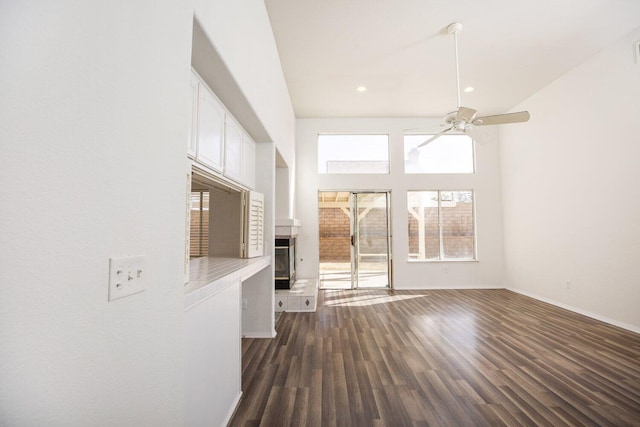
[
  {"x": 568, "y": 284},
  {"x": 126, "y": 276},
  {"x": 245, "y": 303}
]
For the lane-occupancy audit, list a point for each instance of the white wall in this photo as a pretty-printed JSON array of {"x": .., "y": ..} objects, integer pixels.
[
  {"x": 570, "y": 189},
  {"x": 94, "y": 117},
  {"x": 283, "y": 187},
  {"x": 487, "y": 272},
  {"x": 258, "y": 317},
  {"x": 93, "y": 141},
  {"x": 213, "y": 349}
]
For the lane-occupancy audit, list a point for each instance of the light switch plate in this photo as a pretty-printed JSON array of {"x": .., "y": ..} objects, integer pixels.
[{"x": 126, "y": 276}]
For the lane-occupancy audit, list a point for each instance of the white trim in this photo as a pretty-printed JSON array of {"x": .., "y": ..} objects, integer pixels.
[
  {"x": 596, "y": 316},
  {"x": 433, "y": 260},
  {"x": 449, "y": 288},
  {"x": 232, "y": 409},
  {"x": 259, "y": 334}
]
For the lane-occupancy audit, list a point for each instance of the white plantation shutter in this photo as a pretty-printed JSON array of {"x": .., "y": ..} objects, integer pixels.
[
  {"x": 199, "y": 224},
  {"x": 254, "y": 236}
]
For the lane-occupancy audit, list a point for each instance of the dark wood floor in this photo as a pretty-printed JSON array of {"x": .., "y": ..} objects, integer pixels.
[{"x": 440, "y": 358}]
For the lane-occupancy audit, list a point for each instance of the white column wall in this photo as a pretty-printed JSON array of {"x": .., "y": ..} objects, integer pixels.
[
  {"x": 94, "y": 109},
  {"x": 94, "y": 120},
  {"x": 258, "y": 317}
]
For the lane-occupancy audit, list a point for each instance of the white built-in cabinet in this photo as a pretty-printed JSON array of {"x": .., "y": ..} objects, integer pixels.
[
  {"x": 210, "y": 129},
  {"x": 240, "y": 154},
  {"x": 192, "y": 140},
  {"x": 216, "y": 139},
  {"x": 232, "y": 149},
  {"x": 248, "y": 161}
]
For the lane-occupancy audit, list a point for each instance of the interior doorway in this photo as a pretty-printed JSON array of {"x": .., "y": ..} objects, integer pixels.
[{"x": 355, "y": 248}]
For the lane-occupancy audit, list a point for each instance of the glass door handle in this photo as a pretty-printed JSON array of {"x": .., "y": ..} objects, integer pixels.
[{"x": 353, "y": 240}]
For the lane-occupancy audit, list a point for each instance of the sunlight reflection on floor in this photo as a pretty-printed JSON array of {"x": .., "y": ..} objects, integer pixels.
[{"x": 363, "y": 299}]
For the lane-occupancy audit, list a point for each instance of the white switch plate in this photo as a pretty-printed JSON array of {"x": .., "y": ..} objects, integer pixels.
[{"x": 126, "y": 276}]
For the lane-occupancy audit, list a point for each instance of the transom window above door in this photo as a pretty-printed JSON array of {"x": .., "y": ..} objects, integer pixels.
[{"x": 353, "y": 154}]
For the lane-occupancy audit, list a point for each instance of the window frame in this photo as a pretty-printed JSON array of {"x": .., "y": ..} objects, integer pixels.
[
  {"x": 441, "y": 252},
  {"x": 427, "y": 136},
  {"x": 351, "y": 135}
]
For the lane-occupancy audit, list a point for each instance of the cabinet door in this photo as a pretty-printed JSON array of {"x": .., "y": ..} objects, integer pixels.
[
  {"x": 248, "y": 162},
  {"x": 193, "y": 116},
  {"x": 210, "y": 129},
  {"x": 232, "y": 149}
]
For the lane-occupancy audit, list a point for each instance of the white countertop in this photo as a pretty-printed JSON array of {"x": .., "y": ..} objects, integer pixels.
[{"x": 208, "y": 275}]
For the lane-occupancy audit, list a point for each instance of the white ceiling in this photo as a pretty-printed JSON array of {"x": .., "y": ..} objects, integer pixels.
[{"x": 400, "y": 50}]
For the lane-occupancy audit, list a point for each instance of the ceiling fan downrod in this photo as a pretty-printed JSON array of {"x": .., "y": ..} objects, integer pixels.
[{"x": 454, "y": 29}]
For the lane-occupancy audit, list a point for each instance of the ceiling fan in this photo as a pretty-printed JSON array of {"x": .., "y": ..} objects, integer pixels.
[{"x": 464, "y": 119}]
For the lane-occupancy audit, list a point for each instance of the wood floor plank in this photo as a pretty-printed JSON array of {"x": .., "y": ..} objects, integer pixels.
[{"x": 439, "y": 358}]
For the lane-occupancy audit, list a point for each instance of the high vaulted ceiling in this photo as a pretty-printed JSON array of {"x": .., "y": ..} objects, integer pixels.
[{"x": 400, "y": 50}]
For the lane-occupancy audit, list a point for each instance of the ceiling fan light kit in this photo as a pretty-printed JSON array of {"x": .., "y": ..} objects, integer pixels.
[{"x": 464, "y": 119}]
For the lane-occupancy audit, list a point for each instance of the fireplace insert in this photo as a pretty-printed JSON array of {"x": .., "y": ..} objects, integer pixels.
[{"x": 285, "y": 262}]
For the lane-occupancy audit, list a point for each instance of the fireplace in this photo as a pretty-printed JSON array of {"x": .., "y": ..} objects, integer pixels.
[{"x": 285, "y": 262}]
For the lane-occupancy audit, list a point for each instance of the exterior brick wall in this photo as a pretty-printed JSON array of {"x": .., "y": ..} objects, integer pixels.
[{"x": 335, "y": 234}]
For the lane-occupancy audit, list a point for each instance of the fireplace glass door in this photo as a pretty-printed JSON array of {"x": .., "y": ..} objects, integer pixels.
[{"x": 285, "y": 262}]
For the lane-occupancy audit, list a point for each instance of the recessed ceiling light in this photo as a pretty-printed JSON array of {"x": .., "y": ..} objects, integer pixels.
[
  {"x": 361, "y": 89},
  {"x": 468, "y": 89}
]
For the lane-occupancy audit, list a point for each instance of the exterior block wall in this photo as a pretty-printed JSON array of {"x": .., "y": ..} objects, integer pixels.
[{"x": 457, "y": 232}]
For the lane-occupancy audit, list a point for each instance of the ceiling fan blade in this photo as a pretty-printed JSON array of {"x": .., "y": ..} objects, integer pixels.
[
  {"x": 501, "y": 119},
  {"x": 465, "y": 114},
  {"x": 434, "y": 137}
]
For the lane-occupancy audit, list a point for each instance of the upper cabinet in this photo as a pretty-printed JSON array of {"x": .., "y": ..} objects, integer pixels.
[
  {"x": 217, "y": 140},
  {"x": 193, "y": 117},
  {"x": 233, "y": 150},
  {"x": 248, "y": 161},
  {"x": 210, "y": 129}
]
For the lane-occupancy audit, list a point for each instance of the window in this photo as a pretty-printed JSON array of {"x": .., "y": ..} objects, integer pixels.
[
  {"x": 447, "y": 154},
  {"x": 353, "y": 154},
  {"x": 441, "y": 225}
]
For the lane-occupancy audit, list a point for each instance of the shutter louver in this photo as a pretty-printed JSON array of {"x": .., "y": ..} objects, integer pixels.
[{"x": 255, "y": 225}]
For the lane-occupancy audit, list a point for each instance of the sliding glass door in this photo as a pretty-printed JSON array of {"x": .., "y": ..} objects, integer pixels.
[{"x": 355, "y": 250}]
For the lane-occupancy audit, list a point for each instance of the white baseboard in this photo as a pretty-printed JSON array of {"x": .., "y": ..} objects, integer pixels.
[
  {"x": 271, "y": 334},
  {"x": 232, "y": 409},
  {"x": 447, "y": 288},
  {"x": 596, "y": 316}
]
